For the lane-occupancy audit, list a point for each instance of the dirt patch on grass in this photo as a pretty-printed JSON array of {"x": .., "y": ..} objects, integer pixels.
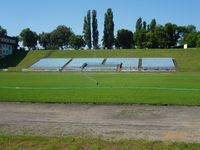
[{"x": 175, "y": 123}]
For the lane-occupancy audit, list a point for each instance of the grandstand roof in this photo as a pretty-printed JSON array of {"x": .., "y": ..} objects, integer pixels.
[
  {"x": 157, "y": 62},
  {"x": 126, "y": 62},
  {"x": 77, "y": 62},
  {"x": 51, "y": 63}
]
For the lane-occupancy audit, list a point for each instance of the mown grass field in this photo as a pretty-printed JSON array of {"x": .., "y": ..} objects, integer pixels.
[
  {"x": 70, "y": 143},
  {"x": 181, "y": 88},
  {"x": 115, "y": 88},
  {"x": 187, "y": 60}
]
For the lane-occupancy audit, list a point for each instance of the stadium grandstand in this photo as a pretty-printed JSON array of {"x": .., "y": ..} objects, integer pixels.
[
  {"x": 79, "y": 64},
  {"x": 126, "y": 64},
  {"x": 102, "y": 67},
  {"x": 50, "y": 64},
  {"x": 104, "y": 64},
  {"x": 158, "y": 64}
]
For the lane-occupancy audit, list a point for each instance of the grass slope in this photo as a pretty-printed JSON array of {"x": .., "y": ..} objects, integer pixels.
[
  {"x": 187, "y": 60},
  {"x": 140, "y": 88},
  {"x": 12, "y": 60},
  {"x": 20, "y": 60},
  {"x": 66, "y": 143}
]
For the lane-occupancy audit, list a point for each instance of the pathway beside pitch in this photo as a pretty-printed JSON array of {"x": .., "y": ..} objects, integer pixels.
[{"x": 176, "y": 123}]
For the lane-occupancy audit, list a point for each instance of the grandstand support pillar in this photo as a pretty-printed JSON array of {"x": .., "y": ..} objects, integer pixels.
[
  {"x": 140, "y": 64},
  {"x": 104, "y": 61},
  {"x": 119, "y": 67},
  {"x": 61, "y": 69}
]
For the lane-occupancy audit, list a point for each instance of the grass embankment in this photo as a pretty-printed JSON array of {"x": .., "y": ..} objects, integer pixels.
[
  {"x": 70, "y": 143},
  {"x": 114, "y": 88},
  {"x": 187, "y": 60},
  {"x": 31, "y": 58}
]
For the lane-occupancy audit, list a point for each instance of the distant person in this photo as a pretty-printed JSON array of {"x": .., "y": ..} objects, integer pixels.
[{"x": 97, "y": 83}]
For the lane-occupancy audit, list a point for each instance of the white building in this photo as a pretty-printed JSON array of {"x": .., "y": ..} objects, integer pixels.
[{"x": 7, "y": 45}]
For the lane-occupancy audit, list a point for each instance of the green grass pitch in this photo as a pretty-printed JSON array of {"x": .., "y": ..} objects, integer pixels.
[
  {"x": 114, "y": 88},
  {"x": 180, "y": 88}
]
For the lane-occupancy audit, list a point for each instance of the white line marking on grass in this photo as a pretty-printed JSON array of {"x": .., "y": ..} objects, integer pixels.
[
  {"x": 89, "y": 77},
  {"x": 102, "y": 87}
]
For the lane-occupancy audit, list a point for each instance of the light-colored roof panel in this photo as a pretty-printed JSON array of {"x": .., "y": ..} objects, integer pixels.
[
  {"x": 126, "y": 62},
  {"x": 157, "y": 62},
  {"x": 51, "y": 62},
  {"x": 77, "y": 62}
]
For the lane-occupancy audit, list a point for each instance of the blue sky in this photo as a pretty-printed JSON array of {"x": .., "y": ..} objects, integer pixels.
[{"x": 45, "y": 15}]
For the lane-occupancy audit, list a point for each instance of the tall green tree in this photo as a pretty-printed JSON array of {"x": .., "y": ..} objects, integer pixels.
[
  {"x": 151, "y": 41},
  {"x": 140, "y": 33},
  {"x": 76, "y": 42},
  {"x": 153, "y": 25},
  {"x": 3, "y": 31},
  {"x": 60, "y": 36},
  {"x": 29, "y": 38},
  {"x": 45, "y": 40},
  {"x": 160, "y": 37},
  {"x": 124, "y": 39},
  {"x": 191, "y": 39},
  {"x": 172, "y": 34},
  {"x": 117, "y": 45},
  {"x": 108, "y": 37},
  {"x": 148, "y": 27},
  {"x": 140, "y": 38},
  {"x": 87, "y": 30},
  {"x": 144, "y": 26},
  {"x": 138, "y": 24},
  {"x": 95, "y": 32},
  {"x": 105, "y": 32},
  {"x": 191, "y": 28}
]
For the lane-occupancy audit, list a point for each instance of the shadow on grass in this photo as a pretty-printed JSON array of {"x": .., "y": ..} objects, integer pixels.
[{"x": 12, "y": 60}]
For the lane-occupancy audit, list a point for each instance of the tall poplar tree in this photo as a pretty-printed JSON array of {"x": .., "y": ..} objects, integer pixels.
[
  {"x": 95, "y": 32},
  {"x": 153, "y": 25},
  {"x": 87, "y": 30},
  {"x": 139, "y": 24},
  {"x": 144, "y": 27},
  {"x": 108, "y": 37}
]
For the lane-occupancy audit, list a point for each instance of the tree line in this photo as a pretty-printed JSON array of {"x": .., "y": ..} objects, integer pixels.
[
  {"x": 146, "y": 35},
  {"x": 167, "y": 36}
]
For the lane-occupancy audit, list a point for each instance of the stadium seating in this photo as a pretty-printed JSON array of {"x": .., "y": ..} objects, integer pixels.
[
  {"x": 50, "y": 64},
  {"x": 102, "y": 67},
  {"x": 79, "y": 64},
  {"x": 127, "y": 64},
  {"x": 158, "y": 64},
  {"x": 107, "y": 64}
]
